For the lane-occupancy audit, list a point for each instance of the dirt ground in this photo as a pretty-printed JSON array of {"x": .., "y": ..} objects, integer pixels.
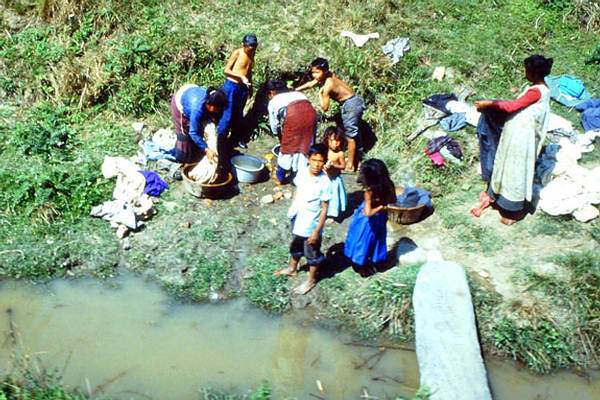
[{"x": 243, "y": 221}]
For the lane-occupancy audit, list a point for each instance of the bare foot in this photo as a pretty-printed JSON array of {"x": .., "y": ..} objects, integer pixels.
[
  {"x": 289, "y": 271},
  {"x": 305, "y": 287},
  {"x": 508, "y": 221},
  {"x": 485, "y": 203}
]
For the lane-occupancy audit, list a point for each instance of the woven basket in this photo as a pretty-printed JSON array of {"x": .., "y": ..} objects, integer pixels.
[
  {"x": 405, "y": 216},
  {"x": 204, "y": 190}
]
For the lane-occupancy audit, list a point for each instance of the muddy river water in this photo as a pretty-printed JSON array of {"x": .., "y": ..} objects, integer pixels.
[{"x": 128, "y": 339}]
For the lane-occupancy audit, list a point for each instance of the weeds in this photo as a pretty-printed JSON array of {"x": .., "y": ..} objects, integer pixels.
[
  {"x": 381, "y": 304},
  {"x": 207, "y": 278},
  {"x": 261, "y": 287}
]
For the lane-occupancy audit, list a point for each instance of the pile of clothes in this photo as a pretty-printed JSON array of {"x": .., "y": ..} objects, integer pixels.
[
  {"x": 131, "y": 196},
  {"x": 565, "y": 187}
]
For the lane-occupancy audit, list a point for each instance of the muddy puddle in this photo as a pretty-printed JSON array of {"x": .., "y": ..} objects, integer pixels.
[{"x": 129, "y": 340}]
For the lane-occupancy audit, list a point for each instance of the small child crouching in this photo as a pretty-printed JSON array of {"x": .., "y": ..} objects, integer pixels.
[{"x": 308, "y": 213}]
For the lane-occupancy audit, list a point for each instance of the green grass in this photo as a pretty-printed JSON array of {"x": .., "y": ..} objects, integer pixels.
[
  {"x": 261, "y": 287},
  {"x": 74, "y": 78},
  {"x": 381, "y": 304},
  {"x": 566, "y": 335},
  {"x": 206, "y": 277}
]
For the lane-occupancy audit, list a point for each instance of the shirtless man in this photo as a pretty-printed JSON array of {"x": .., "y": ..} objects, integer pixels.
[
  {"x": 237, "y": 86},
  {"x": 352, "y": 106}
]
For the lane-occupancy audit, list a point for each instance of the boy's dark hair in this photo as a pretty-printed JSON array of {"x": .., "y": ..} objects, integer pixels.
[
  {"x": 374, "y": 176},
  {"x": 337, "y": 133},
  {"x": 216, "y": 97},
  {"x": 320, "y": 63},
  {"x": 318, "y": 148},
  {"x": 250, "y": 40},
  {"x": 276, "y": 85},
  {"x": 538, "y": 66}
]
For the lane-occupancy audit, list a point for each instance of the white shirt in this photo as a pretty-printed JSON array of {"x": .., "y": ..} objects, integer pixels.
[{"x": 311, "y": 191}]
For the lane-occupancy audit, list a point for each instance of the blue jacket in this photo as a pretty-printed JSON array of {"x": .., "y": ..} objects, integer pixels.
[{"x": 193, "y": 100}]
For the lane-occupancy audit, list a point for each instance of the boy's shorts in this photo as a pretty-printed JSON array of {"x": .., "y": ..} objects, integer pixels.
[
  {"x": 300, "y": 247},
  {"x": 351, "y": 111}
]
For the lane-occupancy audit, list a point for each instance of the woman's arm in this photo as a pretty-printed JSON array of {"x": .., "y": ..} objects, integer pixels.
[
  {"x": 369, "y": 210},
  {"x": 511, "y": 106}
]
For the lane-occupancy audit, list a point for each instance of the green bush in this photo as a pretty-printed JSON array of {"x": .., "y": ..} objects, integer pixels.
[{"x": 44, "y": 130}]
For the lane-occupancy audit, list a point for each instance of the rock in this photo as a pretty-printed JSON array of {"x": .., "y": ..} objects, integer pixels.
[
  {"x": 448, "y": 351},
  {"x": 267, "y": 199},
  {"x": 277, "y": 195},
  {"x": 287, "y": 194},
  {"x": 187, "y": 224},
  {"x": 126, "y": 243},
  {"x": 138, "y": 127},
  {"x": 122, "y": 231}
]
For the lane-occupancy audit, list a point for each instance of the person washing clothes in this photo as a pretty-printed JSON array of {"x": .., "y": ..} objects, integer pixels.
[
  {"x": 352, "y": 106},
  {"x": 294, "y": 120},
  {"x": 190, "y": 107},
  {"x": 511, "y": 185}
]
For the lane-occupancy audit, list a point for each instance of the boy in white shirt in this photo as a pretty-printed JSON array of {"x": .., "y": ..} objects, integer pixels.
[{"x": 308, "y": 213}]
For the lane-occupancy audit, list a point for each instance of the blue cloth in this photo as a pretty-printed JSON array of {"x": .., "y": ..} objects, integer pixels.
[
  {"x": 454, "y": 122},
  {"x": 193, "y": 101},
  {"x": 237, "y": 94},
  {"x": 412, "y": 197},
  {"x": 567, "y": 90},
  {"x": 366, "y": 238},
  {"x": 439, "y": 101},
  {"x": 590, "y": 114},
  {"x": 154, "y": 185},
  {"x": 339, "y": 199},
  {"x": 152, "y": 151},
  {"x": 489, "y": 128}
]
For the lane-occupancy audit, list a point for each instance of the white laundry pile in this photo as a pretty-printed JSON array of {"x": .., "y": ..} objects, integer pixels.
[
  {"x": 470, "y": 111},
  {"x": 359, "y": 40},
  {"x": 573, "y": 189},
  {"x": 130, "y": 204},
  {"x": 205, "y": 171}
]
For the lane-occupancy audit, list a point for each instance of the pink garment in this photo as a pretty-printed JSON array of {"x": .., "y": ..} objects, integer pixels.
[{"x": 436, "y": 158}]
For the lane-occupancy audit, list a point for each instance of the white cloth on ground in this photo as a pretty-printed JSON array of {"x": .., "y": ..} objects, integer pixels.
[
  {"x": 358, "y": 39},
  {"x": 130, "y": 183},
  {"x": 471, "y": 113},
  {"x": 573, "y": 189},
  {"x": 395, "y": 48}
]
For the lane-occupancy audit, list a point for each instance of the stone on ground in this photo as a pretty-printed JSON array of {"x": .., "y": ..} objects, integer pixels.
[{"x": 448, "y": 351}]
